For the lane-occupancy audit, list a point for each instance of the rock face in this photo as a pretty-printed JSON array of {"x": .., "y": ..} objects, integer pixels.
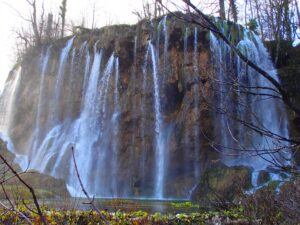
[
  {"x": 289, "y": 69},
  {"x": 147, "y": 108}
]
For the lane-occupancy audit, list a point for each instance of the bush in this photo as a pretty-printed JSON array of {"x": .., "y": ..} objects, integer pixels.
[{"x": 274, "y": 207}]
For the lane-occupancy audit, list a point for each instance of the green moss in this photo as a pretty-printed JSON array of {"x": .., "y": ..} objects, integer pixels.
[
  {"x": 235, "y": 213},
  {"x": 222, "y": 182},
  {"x": 184, "y": 205},
  {"x": 234, "y": 34},
  {"x": 273, "y": 185},
  {"x": 22, "y": 192}
]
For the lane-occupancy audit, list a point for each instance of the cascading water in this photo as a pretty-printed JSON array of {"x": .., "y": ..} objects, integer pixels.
[
  {"x": 85, "y": 50},
  {"x": 115, "y": 124},
  {"x": 159, "y": 154},
  {"x": 7, "y": 100},
  {"x": 143, "y": 116},
  {"x": 254, "y": 107},
  {"x": 41, "y": 98},
  {"x": 60, "y": 79},
  {"x": 105, "y": 153},
  {"x": 88, "y": 119},
  {"x": 134, "y": 117}
]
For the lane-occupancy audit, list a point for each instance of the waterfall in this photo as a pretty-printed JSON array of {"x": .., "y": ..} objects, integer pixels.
[
  {"x": 104, "y": 153},
  {"x": 7, "y": 100},
  {"x": 115, "y": 124},
  {"x": 159, "y": 147},
  {"x": 71, "y": 83},
  {"x": 86, "y": 71},
  {"x": 60, "y": 80},
  {"x": 103, "y": 85},
  {"x": 144, "y": 155},
  {"x": 135, "y": 109},
  {"x": 88, "y": 129},
  {"x": 219, "y": 59},
  {"x": 41, "y": 99},
  {"x": 257, "y": 110}
]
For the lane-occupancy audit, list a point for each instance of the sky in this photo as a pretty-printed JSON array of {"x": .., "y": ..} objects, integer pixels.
[{"x": 107, "y": 12}]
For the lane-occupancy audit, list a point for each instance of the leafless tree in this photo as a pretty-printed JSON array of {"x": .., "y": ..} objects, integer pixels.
[
  {"x": 274, "y": 17},
  {"x": 43, "y": 26},
  {"x": 63, "y": 11},
  {"x": 150, "y": 10},
  {"x": 222, "y": 9},
  {"x": 49, "y": 27},
  {"x": 233, "y": 10},
  {"x": 37, "y": 29}
]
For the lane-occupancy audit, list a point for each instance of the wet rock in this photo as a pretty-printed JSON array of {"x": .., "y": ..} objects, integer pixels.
[
  {"x": 221, "y": 184},
  {"x": 263, "y": 177}
]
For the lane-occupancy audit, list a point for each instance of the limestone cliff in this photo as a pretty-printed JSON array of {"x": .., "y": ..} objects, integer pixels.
[{"x": 148, "y": 108}]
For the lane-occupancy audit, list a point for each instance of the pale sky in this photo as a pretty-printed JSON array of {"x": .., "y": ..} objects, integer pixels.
[{"x": 107, "y": 12}]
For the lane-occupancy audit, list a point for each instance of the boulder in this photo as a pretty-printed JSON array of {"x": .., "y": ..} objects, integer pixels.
[{"x": 221, "y": 183}]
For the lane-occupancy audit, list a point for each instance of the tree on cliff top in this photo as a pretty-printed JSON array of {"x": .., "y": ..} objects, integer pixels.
[
  {"x": 150, "y": 10},
  {"x": 34, "y": 35},
  {"x": 222, "y": 9},
  {"x": 63, "y": 11},
  {"x": 43, "y": 26}
]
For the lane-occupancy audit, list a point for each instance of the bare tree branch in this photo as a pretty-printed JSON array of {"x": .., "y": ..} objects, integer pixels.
[
  {"x": 18, "y": 212},
  {"x": 203, "y": 21},
  {"x": 91, "y": 201},
  {"x": 28, "y": 187}
]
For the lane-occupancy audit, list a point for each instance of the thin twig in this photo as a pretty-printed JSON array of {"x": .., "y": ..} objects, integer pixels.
[
  {"x": 91, "y": 201},
  {"x": 28, "y": 187},
  {"x": 205, "y": 22},
  {"x": 18, "y": 212}
]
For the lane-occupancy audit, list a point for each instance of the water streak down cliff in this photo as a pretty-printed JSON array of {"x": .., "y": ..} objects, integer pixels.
[{"x": 145, "y": 107}]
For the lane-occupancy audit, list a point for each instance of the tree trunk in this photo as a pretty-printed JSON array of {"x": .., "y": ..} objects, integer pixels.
[
  {"x": 222, "y": 9},
  {"x": 63, "y": 10},
  {"x": 49, "y": 26},
  {"x": 259, "y": 20},
  {"x": 34, "y": 24},
  {"x": 298, "y": 12},
  {"x": 234, "y": 10},
  {"x": 286, "y": 21}
]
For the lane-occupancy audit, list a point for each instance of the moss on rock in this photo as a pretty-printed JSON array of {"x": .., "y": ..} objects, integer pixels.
[
  {"x": 222, "y": 183},
  {"x": 45, "y": 186}
]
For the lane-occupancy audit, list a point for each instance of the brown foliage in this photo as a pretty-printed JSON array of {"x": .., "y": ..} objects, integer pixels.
[{"x": 280, "y": 206}]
